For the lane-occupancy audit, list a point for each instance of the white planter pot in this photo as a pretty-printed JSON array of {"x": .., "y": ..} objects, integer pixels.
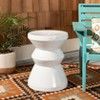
[
  {"x": 7, "y": 62},
  {"x": 47, "y": 73}
]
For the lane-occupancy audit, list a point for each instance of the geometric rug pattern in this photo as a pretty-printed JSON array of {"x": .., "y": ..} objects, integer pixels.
[
  {"x": 70, "y": 94},
  {"x": 93, "y": 78},
  {"x": 14, "y": 86}
]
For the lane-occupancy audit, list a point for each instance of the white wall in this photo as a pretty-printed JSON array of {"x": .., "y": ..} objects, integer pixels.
[
  {"x": 24, "y": 52},
  {"x": 70, "y": 45}
]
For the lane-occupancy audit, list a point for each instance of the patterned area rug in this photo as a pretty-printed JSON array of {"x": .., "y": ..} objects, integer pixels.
[
  {"x": 93, "y": 78},
  {"x": 14, "y": 86}
]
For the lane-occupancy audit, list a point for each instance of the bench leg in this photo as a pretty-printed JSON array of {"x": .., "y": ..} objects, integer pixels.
[
  {"x": 80, "y": 60},
  {"x": 84, "y": 76},
  {"x": 84, "y": 63}
]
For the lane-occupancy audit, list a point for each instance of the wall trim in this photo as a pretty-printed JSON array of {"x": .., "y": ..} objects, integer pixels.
[{"x": 24, "y": 52}]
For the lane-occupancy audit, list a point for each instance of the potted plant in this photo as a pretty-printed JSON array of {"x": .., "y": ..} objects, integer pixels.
[{"x": 12, "y": 30}]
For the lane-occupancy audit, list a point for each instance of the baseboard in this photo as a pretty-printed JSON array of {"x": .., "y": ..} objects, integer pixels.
[
  {"x": 24, "y": 52},
  {"x": 67, "y": 56}
]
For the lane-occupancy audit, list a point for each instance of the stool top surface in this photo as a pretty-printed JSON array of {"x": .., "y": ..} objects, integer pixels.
[{"x": 48, "y": 35}]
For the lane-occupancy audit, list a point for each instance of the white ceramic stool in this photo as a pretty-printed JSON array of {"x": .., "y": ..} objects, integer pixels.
[{"x": 47, "y": 73}]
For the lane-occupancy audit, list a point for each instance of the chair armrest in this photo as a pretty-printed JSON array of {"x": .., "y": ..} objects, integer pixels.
[{"x": 78, "y": 26}]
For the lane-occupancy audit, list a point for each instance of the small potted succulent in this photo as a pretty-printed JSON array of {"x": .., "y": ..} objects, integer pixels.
[{"x": 12, "y": 30}]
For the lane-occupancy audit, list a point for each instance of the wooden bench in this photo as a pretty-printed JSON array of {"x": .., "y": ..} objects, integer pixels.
[{"x": 86, "y": 12}]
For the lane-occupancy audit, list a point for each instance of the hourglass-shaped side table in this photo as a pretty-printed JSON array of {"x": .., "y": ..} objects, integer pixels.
[{"x": 47, "y": 73}]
